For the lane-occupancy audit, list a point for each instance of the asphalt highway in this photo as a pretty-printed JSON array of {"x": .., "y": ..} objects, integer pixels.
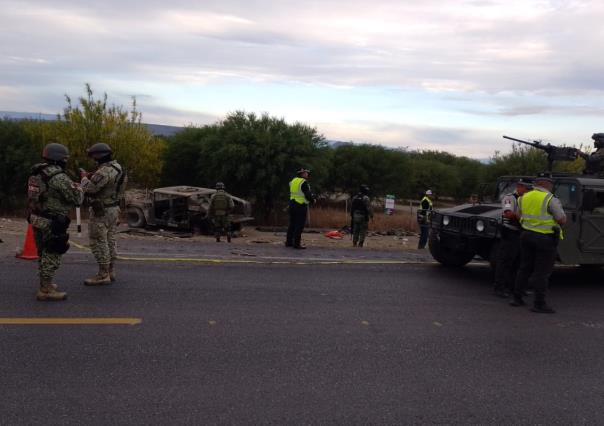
[{"x": 298, "y": 344}]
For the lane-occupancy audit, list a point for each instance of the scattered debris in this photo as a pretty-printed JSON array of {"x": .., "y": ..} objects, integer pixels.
[{"x": 336, "y": 235}]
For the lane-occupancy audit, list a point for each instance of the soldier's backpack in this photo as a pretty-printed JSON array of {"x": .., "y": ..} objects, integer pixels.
[
  {"x": 358, "y": 205},
  {"x": 37, "y": 187},
  {"x": 220, "y": 203}
]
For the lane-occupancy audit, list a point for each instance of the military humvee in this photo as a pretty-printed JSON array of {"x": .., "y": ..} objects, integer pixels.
[
  {"x": 460, "y": 233},
  {"x": 182, "y": 208}
]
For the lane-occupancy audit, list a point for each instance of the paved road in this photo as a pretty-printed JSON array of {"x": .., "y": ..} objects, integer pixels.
[{"x": 299, "y": 344}]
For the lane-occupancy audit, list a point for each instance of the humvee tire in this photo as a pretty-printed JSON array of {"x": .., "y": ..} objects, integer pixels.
[
  {"x": 136, "y": 218},
  {"x": 445, "y": 255}
]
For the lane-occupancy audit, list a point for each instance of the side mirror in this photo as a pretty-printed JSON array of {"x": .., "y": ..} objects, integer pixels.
[{"x": 589, "y": 200}]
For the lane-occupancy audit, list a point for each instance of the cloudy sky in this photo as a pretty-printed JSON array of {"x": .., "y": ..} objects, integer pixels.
[{"x": 429, "y": 74}]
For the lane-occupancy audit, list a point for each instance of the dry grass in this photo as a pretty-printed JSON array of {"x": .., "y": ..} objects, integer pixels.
[{"x": 329, "y": 217}]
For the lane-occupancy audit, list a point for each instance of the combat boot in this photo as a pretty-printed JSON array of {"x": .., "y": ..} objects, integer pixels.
[
  {"x": 49, "y": 292},
  {"x": 228, "y": 237},
  {"x": 112, "y": 271},
  {"x": 361, "y": 243},
  {"x": 102, "y": 278},
  {"x": 217, "y": 237}
]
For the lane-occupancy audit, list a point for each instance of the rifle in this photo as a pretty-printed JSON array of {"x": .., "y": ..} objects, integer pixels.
[{"x": 554, "y": 153}]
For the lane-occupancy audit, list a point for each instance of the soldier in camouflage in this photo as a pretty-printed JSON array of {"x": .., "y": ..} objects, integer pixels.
[
  {"x": 360, "y": 212},
  {"x": 221, "y": 205},
  {"x": 594, "y": 162},
  {"x": 103, "y": 189},
  {"x": 51, "y": 194}
]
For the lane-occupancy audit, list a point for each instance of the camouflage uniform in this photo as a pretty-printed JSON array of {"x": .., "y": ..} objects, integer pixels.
[
  {"x": 221, "y": 204},
  {"x": 594, "y": 163},
  {"x": 103, "y": 194},
  {"x": 361, "y": 213},
  {"x": 62, "y": 195}
]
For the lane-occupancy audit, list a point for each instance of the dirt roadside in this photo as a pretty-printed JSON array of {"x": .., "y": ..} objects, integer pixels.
[{"x": 12, "y": 234}]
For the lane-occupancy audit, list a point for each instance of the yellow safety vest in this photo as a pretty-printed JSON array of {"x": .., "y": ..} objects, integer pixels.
[
  {"x": 534, "y": 215},
  {"x": 295, "y": 190},
  {"x": 422, "y": 201}
]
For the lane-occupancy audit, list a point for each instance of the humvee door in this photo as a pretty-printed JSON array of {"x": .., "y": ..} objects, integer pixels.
[{"x": 592, "y": 221}]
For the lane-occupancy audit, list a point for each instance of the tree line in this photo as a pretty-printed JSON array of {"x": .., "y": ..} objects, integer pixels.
[{"x": 254, "y": 155}]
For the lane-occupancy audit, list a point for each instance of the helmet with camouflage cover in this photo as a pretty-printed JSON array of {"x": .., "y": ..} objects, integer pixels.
[
  {"x": 55, "y": 152},
  {"x": 598, "y": 140},
  {"x": 219, "y": 185},
  {"x": 100, "y": 151}
]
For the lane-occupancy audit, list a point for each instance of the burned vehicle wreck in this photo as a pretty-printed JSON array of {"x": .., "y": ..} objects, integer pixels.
[{"x": 181, "y": 208}]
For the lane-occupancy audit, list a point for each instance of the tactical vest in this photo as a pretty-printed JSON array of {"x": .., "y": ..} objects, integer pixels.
[
  {"x": 358, "y": 205},
  {"x": 534, "y": 215},
  {"x": 37, "y": 187},
  {"x": 220, "y": 203},
  {"x": 295, "y": 190}
]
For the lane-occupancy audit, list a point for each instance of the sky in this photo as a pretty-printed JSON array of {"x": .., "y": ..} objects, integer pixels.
[{"x": 429, "y": 74}]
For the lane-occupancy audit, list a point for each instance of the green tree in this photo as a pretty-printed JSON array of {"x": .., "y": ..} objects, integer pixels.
[
  {"x": 385, "y": 170},
  {"x": 92, "y": 121},
  {"x": 255, "y": 156},
  {"x": 17, "y": 154}
]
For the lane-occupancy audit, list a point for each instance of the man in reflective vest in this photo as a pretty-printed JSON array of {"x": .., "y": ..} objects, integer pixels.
[
  {"x": 299, "y": 199},
  {"x": 541, "y": 216},
  {"x": 423, "y": 219}
]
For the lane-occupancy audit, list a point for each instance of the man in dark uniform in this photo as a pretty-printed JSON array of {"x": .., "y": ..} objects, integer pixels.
[
  {"x": 299, "y": 199},
  {"x": 541, "y": 216},
  {"x": 423, "y": 219},
  {"x": 508, "y": 253},
  {"x": 360, "y": 213}
]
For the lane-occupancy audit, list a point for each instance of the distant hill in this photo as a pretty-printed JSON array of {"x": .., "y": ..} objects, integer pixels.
[{"x": 155, "y": 129}]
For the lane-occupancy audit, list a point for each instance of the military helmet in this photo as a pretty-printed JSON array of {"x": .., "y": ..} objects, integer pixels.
[
  {"x": 219, "y": 185},
  {"x": 364, "y": 189},
  {"x": 598, "y": 140},
  {"x": 99, "y": 150},
  {"x": 55, "y": 152}
]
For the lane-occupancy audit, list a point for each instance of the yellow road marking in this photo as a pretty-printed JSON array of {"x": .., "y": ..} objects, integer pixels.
[
  {"x": 70, "y": 321},
  {"x": 277, "y": 262},
  {"x": 265, "y": 261}
]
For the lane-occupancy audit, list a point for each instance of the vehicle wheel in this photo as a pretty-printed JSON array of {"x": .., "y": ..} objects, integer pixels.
[
  {"x": 136, "y": 218},
  {"x": 446, "y": 255}
]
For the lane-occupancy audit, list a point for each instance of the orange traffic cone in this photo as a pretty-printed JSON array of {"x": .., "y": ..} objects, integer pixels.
[{"x": 30, "y": 251}]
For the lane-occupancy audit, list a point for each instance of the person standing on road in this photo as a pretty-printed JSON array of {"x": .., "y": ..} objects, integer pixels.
[
  {"x": 51, "y": 195},
  {"x": 221, "y": 205},
  {"x": 299, "y": 199},
  {"x": 541, "y": 216},
  {"x": 360, "y": 213},
  {"x": 103, "y": 189},
  {"x": 423, "y": 219},
  {"x": 508, "y": 252}
]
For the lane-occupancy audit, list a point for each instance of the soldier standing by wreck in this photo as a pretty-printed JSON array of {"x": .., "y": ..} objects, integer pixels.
[
  {"x": 51, "y": 194},
  {"x": 103, "y": 189},
  {"x": 221, "y": 205},
  {"x": 360, "y": 212}
]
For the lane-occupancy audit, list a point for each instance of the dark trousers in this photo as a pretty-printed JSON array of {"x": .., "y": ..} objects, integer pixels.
[
  {"x": 508, "y": 258},
  {"x": 424, "y": 232},
  {"x": 297, "y": 220},
  {"x": 537, "y": 257}
]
